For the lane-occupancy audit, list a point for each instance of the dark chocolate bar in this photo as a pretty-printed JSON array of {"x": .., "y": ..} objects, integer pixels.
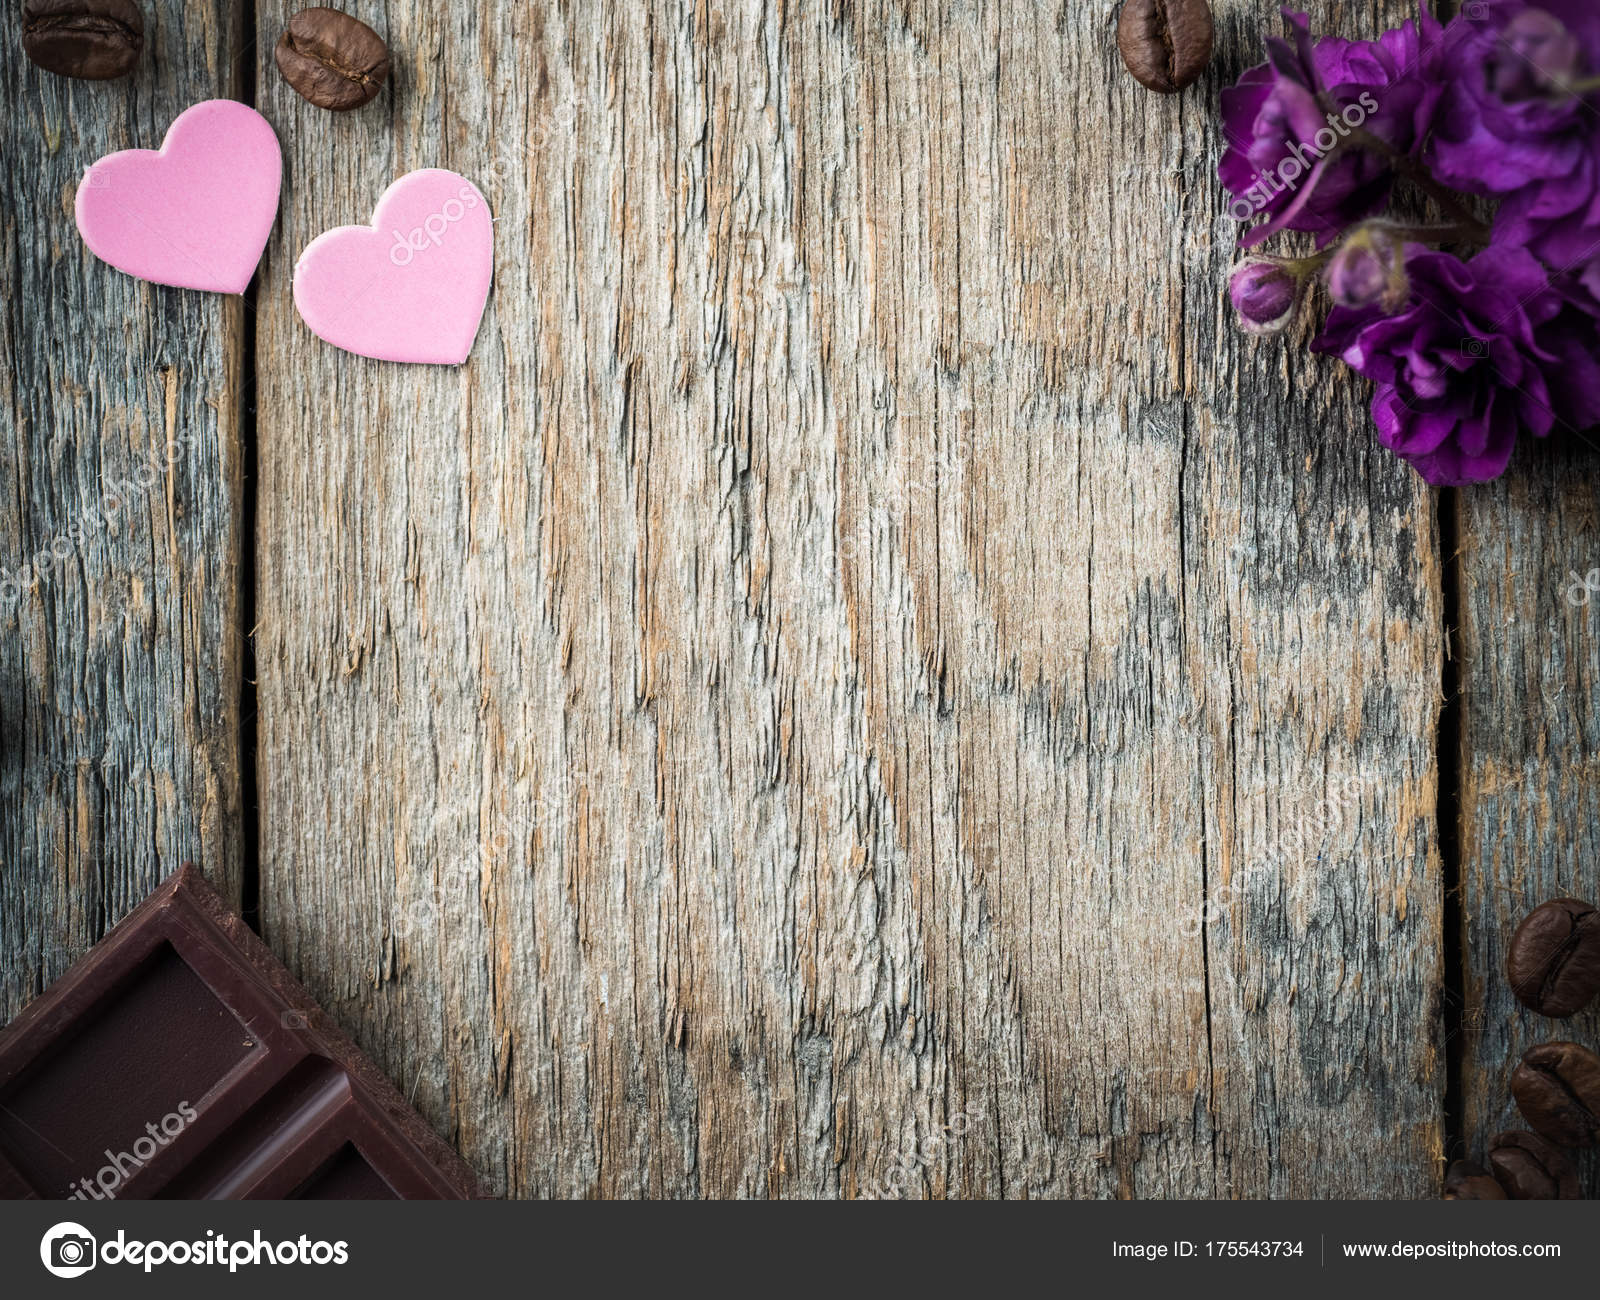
[{"x": 179, "y": 1059}]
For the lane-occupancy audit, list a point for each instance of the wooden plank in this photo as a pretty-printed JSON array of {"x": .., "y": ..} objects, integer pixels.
[
  {"x": 1530, "y": 748},
  {"x": 765, "y": 725},
  {"x": 120, "y": 457}
]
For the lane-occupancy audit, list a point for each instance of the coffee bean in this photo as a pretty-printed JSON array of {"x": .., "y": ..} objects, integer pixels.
[
  {"x": 333, "y": 60},
  {"x": 1470, "y": 1182},
  {"x": 1557, "y": 1088},
  {"x": 1554, "y": 959},
  {"x": 93, "y": 40},
  {"x": 1165, "y": 43},
  {"x": 1530, "y": 1169}
]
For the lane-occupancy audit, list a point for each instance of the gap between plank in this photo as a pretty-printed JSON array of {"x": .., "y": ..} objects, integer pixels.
[
  {"x": 249, "y": 814},
  {"x": 1453, "y": 1003},
  {"x": 1447, "y": 813}
]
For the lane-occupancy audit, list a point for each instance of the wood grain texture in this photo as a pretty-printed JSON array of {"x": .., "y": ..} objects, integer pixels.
[
  {"x": 1530, "y": 748},
  {"x": 768, "y": 724},
  {"x": 120, "y": 462}
]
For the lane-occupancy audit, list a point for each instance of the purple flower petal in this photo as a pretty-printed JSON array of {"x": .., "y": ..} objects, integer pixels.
[{"x": 1484, "y": 351}]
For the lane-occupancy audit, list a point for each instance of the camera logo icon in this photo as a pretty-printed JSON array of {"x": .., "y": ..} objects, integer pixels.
[{"x": 68, "y": 1250}]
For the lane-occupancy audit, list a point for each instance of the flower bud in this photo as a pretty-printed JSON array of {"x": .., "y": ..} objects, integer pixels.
[
  {"x": 1366, "y": 271},
  {"x": 1264, "y": 294}
]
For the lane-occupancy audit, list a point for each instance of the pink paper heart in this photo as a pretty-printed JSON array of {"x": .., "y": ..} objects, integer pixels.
[
  {"x": 412, "y": 285},
  {"x": 197, "y": 212}
]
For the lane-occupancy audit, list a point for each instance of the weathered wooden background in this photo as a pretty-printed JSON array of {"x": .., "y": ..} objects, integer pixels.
[{"x": 841, "y": 694}]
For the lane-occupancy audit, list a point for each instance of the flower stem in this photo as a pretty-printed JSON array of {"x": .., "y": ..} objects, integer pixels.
[
  {"x": 1302, "y": 267},
  {"x": 1424, "y": 180},
  {"x": 1460, "y": 233}
]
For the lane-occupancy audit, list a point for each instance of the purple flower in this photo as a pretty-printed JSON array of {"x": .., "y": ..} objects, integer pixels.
[
  {"x": 1508, "y": 124},
  {"x": 1264, "y": 294},
  {"x": 1483, "y": 350},
  {"x": 1289, "y": 124},
  {"x": 1538, "y": 58}
]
